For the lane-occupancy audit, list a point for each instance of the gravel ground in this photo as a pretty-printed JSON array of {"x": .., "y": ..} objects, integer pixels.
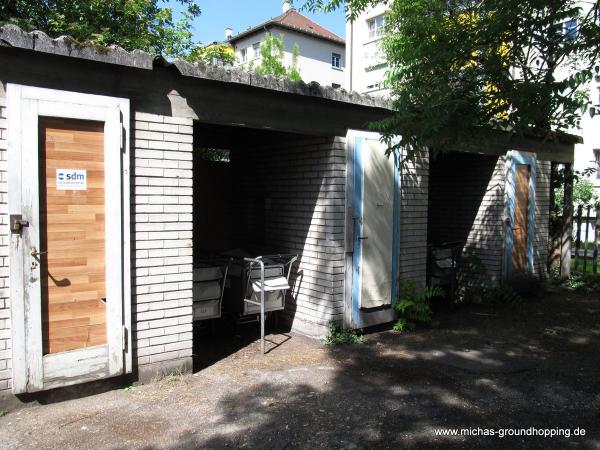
[{"x": 537, "y": 366}]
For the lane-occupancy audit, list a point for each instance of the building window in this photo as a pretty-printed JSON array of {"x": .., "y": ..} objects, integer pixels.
[
  {"x": 336, "y": 60},
  {"x": 570, "y": 30},
  {"x": 597, "y": 155},
  {"x": 376, "y": 25},
  {"x": 244, "y": 55},
  {"x": 256, "y": 50}
]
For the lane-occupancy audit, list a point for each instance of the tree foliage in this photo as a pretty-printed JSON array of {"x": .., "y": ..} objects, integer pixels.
[
  {"x": 217, "y": 54},
  {"x": 132, "y": 24},
  {"x": 271, "y": 59},
  {"x": 457, "y": 68},
  {"x": 584, "y": 192}
]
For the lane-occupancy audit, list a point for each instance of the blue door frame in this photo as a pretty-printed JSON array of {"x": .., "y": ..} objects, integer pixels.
[
  {"x": 515, "y": 158},
  {"x": 360, "y": 317}
]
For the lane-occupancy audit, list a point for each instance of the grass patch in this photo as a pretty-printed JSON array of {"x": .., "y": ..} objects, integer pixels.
[
  {"x": 577, "y": 266},
  {"x": 173, "y": 376},
  {"x": 337, "y": 335}
]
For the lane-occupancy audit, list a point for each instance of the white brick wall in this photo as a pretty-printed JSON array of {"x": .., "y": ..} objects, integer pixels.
[
  {"x": 486, "y": 238},
  {"x": 304, "y": 182},
  {"x": 413, "y": 219},
  {"x": 5, "y": 345},
  {"x": 542, "y": 214},
  {"x": 470, "y": 203},
  {"x": 162, "y": 239}
]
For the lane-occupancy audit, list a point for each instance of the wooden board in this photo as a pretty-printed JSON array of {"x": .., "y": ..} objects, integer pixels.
[
  {"x": 519, "y": 252},
  {"x": 73, "y": 275}
]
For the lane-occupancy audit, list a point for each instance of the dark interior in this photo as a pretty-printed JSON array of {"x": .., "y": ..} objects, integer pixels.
[{"x": 245, "y": 195}]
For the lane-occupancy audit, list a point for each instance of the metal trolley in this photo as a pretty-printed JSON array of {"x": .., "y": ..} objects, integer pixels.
[
  {"x": 258, "y": 286},
  {"x": 209, "y": 282}
]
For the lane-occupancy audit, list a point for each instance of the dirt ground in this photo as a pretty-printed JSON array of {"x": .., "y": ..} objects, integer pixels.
[{"x": 483, "y": 368}]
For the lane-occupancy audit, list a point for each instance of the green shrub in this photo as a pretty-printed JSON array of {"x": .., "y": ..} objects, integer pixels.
[
  {"x": 404, "y": 325},
  {"x": 336, "y": 335},
  {"x": 475, "y": 287},
  {"x": 583, "y": 282},
  {"x": 555, "y": 274},
  {"x": 414, "y": 306}
]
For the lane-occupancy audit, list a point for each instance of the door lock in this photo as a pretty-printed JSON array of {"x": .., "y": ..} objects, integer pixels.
[{"x": 17, "y": 223}]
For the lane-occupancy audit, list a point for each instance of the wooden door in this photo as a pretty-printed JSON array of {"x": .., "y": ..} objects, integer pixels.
[
  {"x": 520, "y": 223},
  {"x": 69, "y": 258},
  {"x": 72, "y": 234}
]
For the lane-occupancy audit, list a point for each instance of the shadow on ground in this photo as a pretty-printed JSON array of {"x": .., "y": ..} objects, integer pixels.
[
  {"x": 534, "y": 367},
  {"x": 484, "y": 368}
]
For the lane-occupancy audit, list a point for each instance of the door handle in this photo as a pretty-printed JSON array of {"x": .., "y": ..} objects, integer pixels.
[{"x": 362, "y": 238}]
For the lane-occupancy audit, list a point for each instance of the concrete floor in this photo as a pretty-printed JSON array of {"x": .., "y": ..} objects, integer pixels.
[{"x": 537, "y": 366}]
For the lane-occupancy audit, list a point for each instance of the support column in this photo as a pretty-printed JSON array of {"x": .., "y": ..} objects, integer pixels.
[{"x": 567, "y": 232}]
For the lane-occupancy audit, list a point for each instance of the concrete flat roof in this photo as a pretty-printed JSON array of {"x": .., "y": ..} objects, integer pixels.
[{"x": 37, "y": 41}]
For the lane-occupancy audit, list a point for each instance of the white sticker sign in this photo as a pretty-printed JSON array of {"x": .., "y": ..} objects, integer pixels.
[{"x": 71, "y": 179}]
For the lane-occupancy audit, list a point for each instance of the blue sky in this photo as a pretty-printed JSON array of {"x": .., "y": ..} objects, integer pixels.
[{"x": 241, "y": 14}]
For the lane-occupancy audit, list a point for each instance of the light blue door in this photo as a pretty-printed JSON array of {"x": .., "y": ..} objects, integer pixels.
[{"x": 375, "y": 225}]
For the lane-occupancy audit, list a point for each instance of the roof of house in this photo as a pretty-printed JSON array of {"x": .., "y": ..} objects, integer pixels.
[{"x": 293, "y": 20}]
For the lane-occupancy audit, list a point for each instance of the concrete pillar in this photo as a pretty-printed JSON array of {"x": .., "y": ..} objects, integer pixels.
[{"x": 567, "y": 235}]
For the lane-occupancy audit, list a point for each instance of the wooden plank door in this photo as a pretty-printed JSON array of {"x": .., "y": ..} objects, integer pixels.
[
  {"x": 72, "y": 257},
  {"x": 68, "y": 177},
  {"x": 520, "y": 223},
  {"x": 520, "y": 215},
  {"x": 375, "y": 230}
]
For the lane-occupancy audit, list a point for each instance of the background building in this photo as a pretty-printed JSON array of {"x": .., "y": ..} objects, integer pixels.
[
  {"x": 321, "y": 52},
  {"x": 366, "y": 62}
]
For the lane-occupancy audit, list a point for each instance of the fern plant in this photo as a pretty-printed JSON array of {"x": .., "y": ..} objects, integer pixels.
[{"x": 414, "y": 307}]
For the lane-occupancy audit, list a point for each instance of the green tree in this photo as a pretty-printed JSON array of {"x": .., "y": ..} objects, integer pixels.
[
  {"x": 584, "y": 194},
  {"x": 218, "y": 54},
  {"x": 132, "y": 24},
  {"x": 458, "y": 68},
  {"x": 271, "y": 59}
]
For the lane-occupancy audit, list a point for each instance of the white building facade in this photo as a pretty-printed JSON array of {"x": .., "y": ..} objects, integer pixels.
[
  {"x": 365, "y": 60},
  {"x": 321, "y": 55}
]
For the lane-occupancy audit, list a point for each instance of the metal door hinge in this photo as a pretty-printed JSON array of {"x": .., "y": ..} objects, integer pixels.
[
  {"x": 125, "y": 339},
  {"x": 122, "y": 138}
]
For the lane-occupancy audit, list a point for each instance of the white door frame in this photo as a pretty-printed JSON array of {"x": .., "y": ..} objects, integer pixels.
[{"x": 31, "y": 370}]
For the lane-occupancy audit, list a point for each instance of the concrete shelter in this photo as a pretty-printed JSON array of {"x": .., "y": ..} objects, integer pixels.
[{"x": 106, "y": 208}]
